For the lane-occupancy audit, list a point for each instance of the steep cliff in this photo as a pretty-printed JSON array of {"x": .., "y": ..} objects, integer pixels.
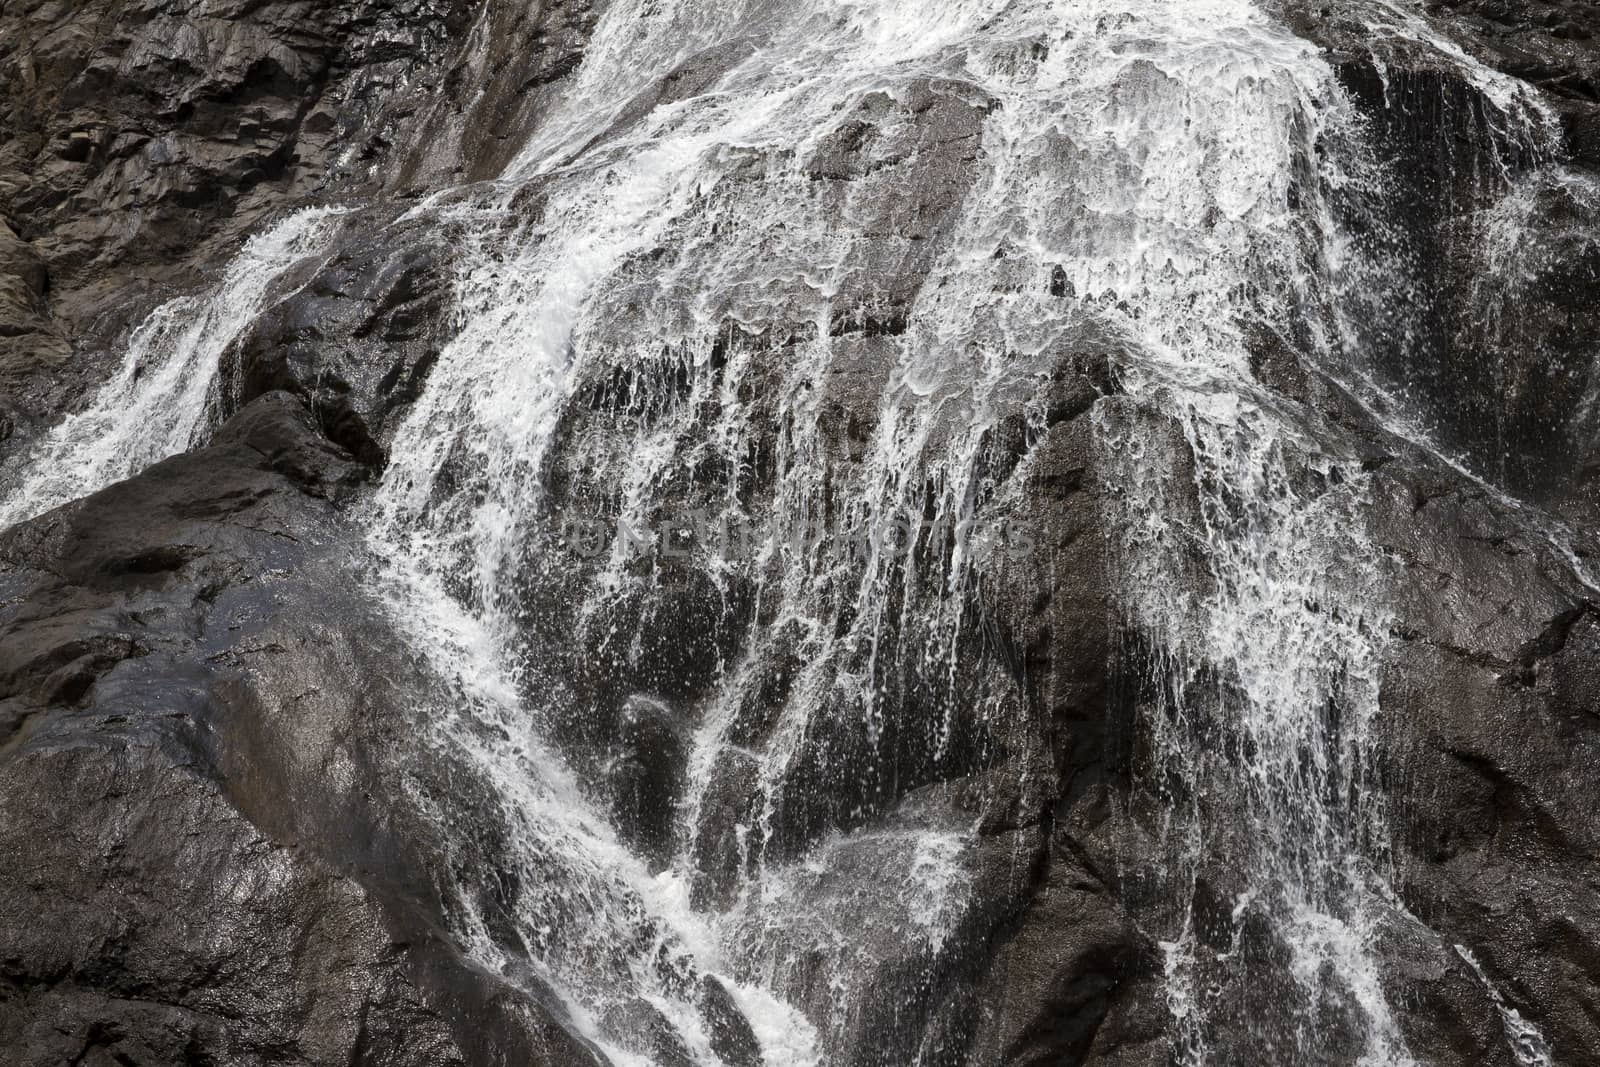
[{"x": 748, "y": 533}]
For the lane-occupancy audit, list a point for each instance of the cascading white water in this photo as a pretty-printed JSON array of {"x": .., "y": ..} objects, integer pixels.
[
  {"x": 164, "y": 396},
  {"x": 1264, "y": 658},
  {"x": 535, "y": 310},
  {"x": 1148, "y": 152},
  {"x": 1162, "y": 172}
]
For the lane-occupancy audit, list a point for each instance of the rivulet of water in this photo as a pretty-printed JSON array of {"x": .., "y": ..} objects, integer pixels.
[{"x": 164, "y": 396}]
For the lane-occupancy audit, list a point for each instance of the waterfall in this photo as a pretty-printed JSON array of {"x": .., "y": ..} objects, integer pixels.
[
  {"x": 694, "y": 510},
  {"x": 1145, "y": 157},
  {"x": 165, "y": 396}
]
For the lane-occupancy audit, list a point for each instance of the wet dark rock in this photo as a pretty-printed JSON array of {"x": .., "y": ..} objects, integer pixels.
[
  {"x": 720, "y": 851},
  {"x": 644, "y": 774},
  {"x": 504, "y": 67},
  {"x": 1450, "y": 1016},
  {"x": 138, "y": 132},
  {"x": 140, "y": 142},
  {"x": 731, "y": 1037},
  {"x": 32, "y": 345},
  {"x": 1057, "y": 970},
  {"x": 1498, "y": 352},
  {"x": 1554, "y": 44},
  {"x": 229, "y": 875},
  {"x": 356, "y": 340},
  {"x": 642, "y": 1025}
]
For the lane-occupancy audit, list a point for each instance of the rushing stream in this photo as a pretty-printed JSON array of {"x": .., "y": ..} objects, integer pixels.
[{"x": 714, "y": 730}]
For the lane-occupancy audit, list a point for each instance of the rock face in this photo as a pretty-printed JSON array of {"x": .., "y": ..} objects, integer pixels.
[
  {"x": 226, "y": 878},
  {"x": 141, "y": 141},
  {"x": 220, "y": 840}
]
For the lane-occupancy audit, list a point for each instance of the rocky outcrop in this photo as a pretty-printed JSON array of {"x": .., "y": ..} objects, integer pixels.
[
  {"x": 139, "y": 143},
  {"x": 1553, "y": 44},
  {"x": 1496, "y": 353},
  {"x": 1490, "y": 752},
  {"x": 32, "y": 345},
  {"x": 188, "y": 703},
  {"x": 357, "y": 340}
]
